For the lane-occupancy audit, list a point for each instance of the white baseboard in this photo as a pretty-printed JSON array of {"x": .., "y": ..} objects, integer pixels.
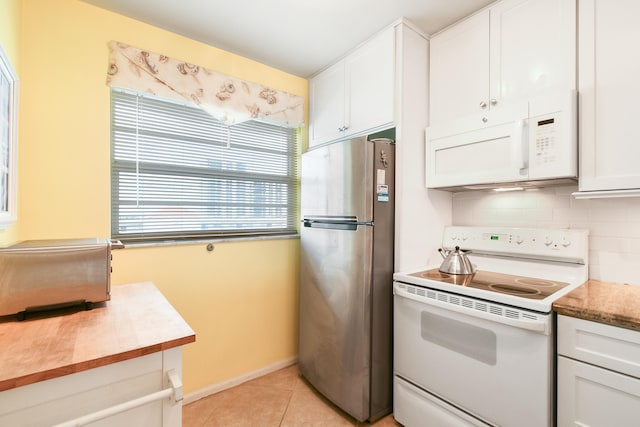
[{"x": 216, "y": 388}]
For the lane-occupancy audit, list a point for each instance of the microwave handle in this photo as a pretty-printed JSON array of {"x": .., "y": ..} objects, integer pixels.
[{"x": 520, "y": 151}]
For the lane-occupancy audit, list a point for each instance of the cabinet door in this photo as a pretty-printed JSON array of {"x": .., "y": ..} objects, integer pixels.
[
  {"x": 459, "y": 70},
  {"x": 532, "y": 50},
  {"x": 609, "y": 66},
  {"x": 370, "y": 84},
  {"x": 327, "y": 105},
  {"x": 592, "y": 396}
]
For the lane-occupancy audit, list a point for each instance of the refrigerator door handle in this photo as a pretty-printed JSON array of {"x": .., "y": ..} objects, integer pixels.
[{"x": 336, "y": 224}]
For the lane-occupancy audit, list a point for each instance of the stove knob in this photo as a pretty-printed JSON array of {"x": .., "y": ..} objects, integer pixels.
[
  {"x": 566, "y": 241},
  {"x": 519, "y": 239},
  {"x": 548, "y": 240}
]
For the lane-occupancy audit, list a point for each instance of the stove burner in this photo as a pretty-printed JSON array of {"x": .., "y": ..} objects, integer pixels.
[
  {"x": 455, "y": 279},
  {"x": 435, "y": 274},
  {"x": 540, "y": 283},
  {"x": 521, "y": 291}
]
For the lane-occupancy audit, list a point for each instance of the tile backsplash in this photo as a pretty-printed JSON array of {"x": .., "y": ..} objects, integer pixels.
[{"x": 613, "y": 224}]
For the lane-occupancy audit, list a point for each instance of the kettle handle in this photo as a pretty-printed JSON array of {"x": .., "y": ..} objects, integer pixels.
[{"x": 462, "y": 251}]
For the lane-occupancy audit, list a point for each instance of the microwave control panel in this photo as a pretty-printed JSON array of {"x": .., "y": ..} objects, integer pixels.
[
  {"x": 553, "y": 142},
  {"x": 546, "y": 134}
]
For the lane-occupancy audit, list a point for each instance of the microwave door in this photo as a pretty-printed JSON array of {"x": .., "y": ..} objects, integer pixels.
[{"x": 490, "y": 155}]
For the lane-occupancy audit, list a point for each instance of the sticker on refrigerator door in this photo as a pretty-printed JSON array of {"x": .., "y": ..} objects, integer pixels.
[
  {"x": 381, "y": 177},
  {"x": 383, "y": 193}
]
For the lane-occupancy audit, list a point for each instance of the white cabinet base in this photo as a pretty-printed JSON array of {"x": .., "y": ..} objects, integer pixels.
[
  {"x": 598, "y": 374},
  {"x": 592, "y": 396},
  {"x": 62, "y": 399}
]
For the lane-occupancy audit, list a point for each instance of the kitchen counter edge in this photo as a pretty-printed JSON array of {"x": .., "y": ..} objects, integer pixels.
[
  {"x": 147, "y": 323},
  {"x": 613, "y": 304}
]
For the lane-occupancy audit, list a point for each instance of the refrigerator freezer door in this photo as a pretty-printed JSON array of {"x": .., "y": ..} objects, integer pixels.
[
  {"x": 335, "y": 322},
  {"x": 336, "y": 180}
]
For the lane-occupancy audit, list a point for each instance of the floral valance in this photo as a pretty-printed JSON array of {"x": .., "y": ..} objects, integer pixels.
[{"x": 228, "y": 99}]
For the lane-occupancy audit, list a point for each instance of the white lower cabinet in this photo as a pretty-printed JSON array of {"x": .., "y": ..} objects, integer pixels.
[
  {"x": 83, "y": 394},
  {"x": 598, "y": 374}
]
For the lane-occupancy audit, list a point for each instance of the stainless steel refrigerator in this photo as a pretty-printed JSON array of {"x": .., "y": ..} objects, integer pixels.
[{"x": 346, "y": 273}]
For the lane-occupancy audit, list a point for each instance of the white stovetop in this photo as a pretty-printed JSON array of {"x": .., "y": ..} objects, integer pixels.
[{"x": 573, "y": 274}]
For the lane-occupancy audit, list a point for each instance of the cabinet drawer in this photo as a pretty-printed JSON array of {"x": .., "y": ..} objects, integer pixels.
[
  {"x": 607, "y": 346},
  {"x": 412, "y": 406}
]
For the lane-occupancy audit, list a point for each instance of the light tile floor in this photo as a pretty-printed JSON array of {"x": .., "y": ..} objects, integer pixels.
[{"x": 282, "y": 398}]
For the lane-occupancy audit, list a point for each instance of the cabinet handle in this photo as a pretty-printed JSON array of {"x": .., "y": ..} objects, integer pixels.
[
  {"x": 485, "y": 120},
  {"x": 483, "y": 105},
  {"x": 494, "y": 101},
  {"x": 173, "y": 392}
]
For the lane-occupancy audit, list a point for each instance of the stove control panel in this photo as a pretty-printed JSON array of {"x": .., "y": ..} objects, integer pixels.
[{"x": 567, "y": 245}]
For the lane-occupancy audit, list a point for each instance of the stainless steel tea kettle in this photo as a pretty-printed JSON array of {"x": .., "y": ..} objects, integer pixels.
[{"x": 456, "y": 262}]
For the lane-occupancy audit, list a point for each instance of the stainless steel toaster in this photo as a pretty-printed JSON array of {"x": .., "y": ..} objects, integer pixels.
[{"x": 46, "y": 274}]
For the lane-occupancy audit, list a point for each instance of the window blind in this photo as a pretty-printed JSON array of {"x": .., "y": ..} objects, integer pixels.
[{"x": 178, "y": 173}]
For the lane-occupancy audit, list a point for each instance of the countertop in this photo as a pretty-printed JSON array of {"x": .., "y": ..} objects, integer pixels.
[
  {"x": 611, "y": 303},
  {"x": 138, "y": 320}
]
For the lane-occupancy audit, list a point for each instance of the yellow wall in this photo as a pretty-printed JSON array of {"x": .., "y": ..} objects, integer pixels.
[
  {"x": 10, "y": 29},
  {"x": 241, "y": 298},
  {"x": 10, "y": 42}
]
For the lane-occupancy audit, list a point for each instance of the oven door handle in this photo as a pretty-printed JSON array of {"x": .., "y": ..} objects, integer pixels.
[{"x": 531, "y": 325}]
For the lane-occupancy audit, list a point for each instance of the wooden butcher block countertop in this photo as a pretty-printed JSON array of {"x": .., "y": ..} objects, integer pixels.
[
  {"x": 137, "y": 321},
  {"x": 610, "y": 303}
]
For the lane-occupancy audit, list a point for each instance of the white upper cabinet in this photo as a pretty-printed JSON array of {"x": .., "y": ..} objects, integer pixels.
[
  {"x": 370, "y": 83},
  {"x": 459, "y": 73},
  {"x": 356, "y": 94},
  {"x": 533, "y": 49},
  {"x": 609, "y": 66},
  {"x": 513, "y": 52},
  {"x": 327, "y": 104}
]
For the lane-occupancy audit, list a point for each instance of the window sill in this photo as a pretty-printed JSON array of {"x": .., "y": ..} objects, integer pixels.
[{"x": 207, "y": 241}]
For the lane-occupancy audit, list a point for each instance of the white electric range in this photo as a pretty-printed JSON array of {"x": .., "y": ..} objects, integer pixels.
[{"x": 479, "y": 350}]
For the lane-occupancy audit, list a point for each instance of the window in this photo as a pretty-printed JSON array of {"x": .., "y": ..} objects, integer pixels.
[
  {"x": 8, "y": 141},
  {"x": 178, "y": 173}
]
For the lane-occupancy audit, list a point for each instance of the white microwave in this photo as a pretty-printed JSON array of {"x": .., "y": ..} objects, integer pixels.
[{"x": 531, "y": 143}]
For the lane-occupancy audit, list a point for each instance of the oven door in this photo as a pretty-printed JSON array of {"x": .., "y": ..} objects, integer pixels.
[{"x": 473, "y": 357}]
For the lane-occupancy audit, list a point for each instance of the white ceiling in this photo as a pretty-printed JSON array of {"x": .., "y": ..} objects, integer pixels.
[{"x": 297, "y": 36}]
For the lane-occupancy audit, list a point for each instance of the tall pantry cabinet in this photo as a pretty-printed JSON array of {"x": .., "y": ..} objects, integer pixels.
[
  {"x": 383, "y": 84},
  {"x": 608, "y": 70}
]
